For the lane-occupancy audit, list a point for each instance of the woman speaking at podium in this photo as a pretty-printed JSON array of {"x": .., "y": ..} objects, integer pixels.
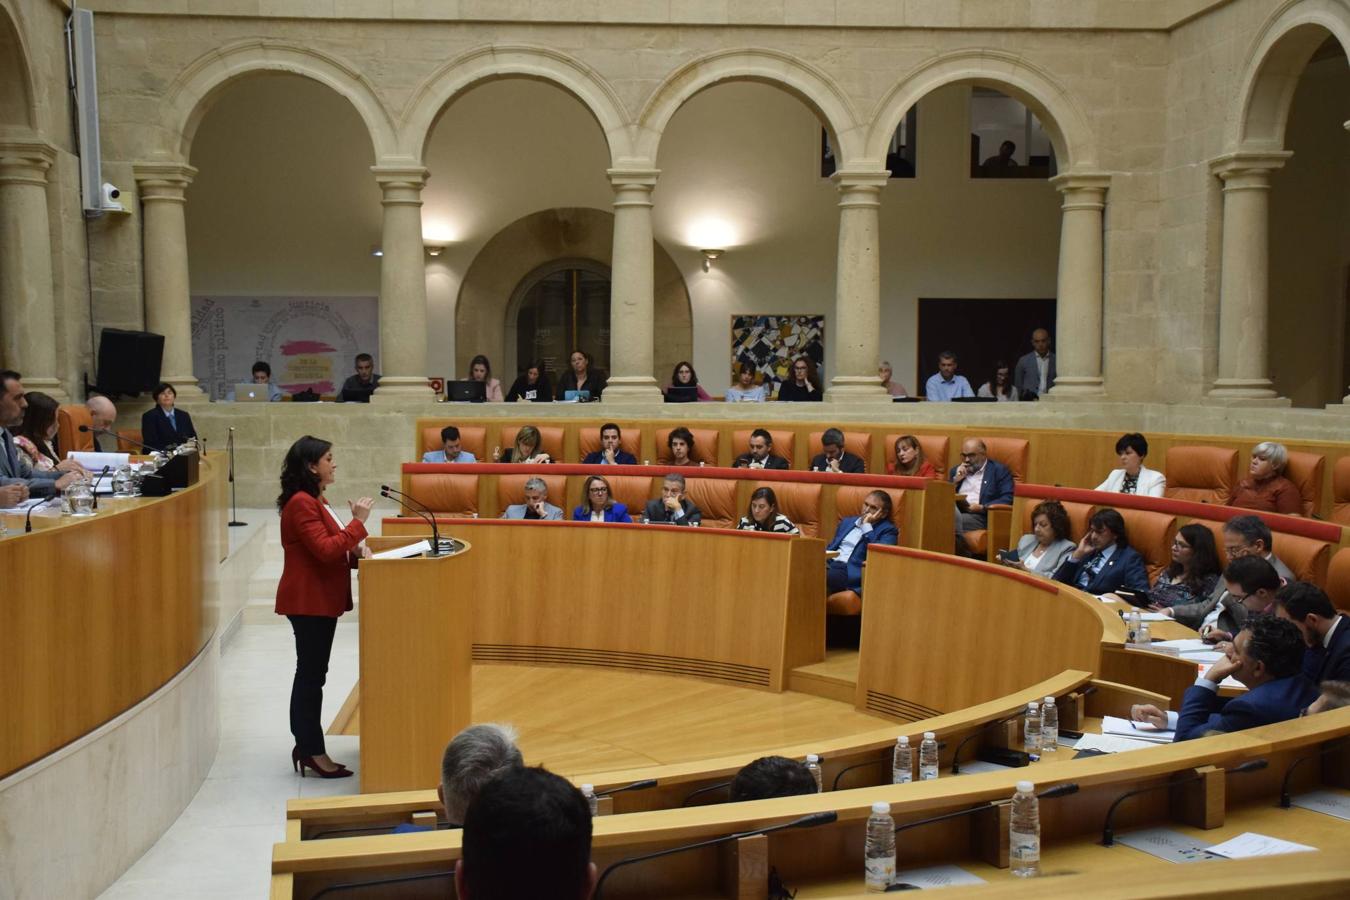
[{"x": 315, "y": 587}]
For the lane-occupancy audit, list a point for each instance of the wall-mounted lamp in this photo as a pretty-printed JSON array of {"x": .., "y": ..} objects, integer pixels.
[
  {"x": 709, "y": 256},
  {"x": 376, "y": 252},
  {"x": 435, "y": 249}
]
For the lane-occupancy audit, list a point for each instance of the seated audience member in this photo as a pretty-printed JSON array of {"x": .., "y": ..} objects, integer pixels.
[
  {"x": 18, "y": 479},
  {"x": 946, "y": 384},
  {"x": 102, "y": 415},
  {"x": 1044, "y": 550},
  {"x": 450, "y": 451},
  {"x": 802, "y": 386},
  {"x": 531, "y": 385},
  {"x": 980, "y": 482},
  {"x": 472, "y": 758},
  {"x": 852, "y": 538},
  {"x": 1335, "y": 695},
  {"x": 834, "y": 458},
  {"x": 745, "y": 390},
  {"x": 1035, "y": 372},
  {"x": 1265, "y": 657},
  {"x": 358, "y": 388},
  {"x": 909, "y": 459},
  {"x": 680, "y": 442},
  {"x": 609, "y": 453},
  {"x": 36, "y": 437},
  {"x": 1250, "y": 585},
  {"x": 526, "y": 450},
  {"x": 673, "y": 507},
  {"x": 1265, "y": 488},
  {"x": 598, "y": 503},
  {"x": 684, "y": 376},
  {"x": 481, "y": 370},
  {"x": 886, "y": 374},
  {"x": 1104, "y": 561},
  {"x": 581, "y": 376},
  {"x": 761, "y": 455},
  {"x": 1325, "y": 631},
  {"x": 1133, "y": 477},
  {"x": 1193, "y": 572},
  {"x": 526, "y": 835},
  {"x": 763, "y": 514},
  {"x": 1242, "y": 536},
  {"x": 163, "y": 426},
  {"x": 1001, "y": 165},
  {"x": 1000, "y": 386},
  {"x": 772, "y": 776},
  {"x": 536, "y": 505},
  {"x": 261, "y": 374}
]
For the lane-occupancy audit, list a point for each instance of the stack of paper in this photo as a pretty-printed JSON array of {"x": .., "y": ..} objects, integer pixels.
[
  {"x": 1249, "y": 844},
  {"x": 1193, "y": 649},
  {"x": 404, "y": 552},
  {"x": 1111, "y": 743},
  {"x": 1138, "y": 731}
]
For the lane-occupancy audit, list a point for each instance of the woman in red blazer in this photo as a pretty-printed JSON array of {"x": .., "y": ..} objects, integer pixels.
[{"x": 315, "y": 587}]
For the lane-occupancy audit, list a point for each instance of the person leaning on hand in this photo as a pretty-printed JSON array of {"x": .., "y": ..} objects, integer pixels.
[{"x": 672, "y": 507}]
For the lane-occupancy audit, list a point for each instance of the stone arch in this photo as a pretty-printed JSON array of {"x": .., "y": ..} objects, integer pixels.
[
  {"x": 781, "y": 70},
  {"x": 192, "y": 93},
  {"x": 532, "y": 242},
  {"x": 494, "y": 61},
  {"x": 1276, "y": 61},
  {"x": 1062, "y": 118},
  {"x": 18, "y": 99}
]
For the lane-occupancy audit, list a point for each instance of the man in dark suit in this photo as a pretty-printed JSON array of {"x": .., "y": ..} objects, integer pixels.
[
  {"x": 609, "y": 453},
  {"x": 17, "y": 474},
  {"x": 761, "y": 455},
  {"x": 1250, "y": 584},
  {"x": 1326, "y": 632},
  {"x": 852, "y": 538},
  {"x": 1035, "y": 372},
  {"x": 834, "y": 458},
  {"x": 673, "y": 507},
  {"x": 980, "y": 482},
  {"x": 1104, "y": 561},
  {"x": 164, "y": 425}
]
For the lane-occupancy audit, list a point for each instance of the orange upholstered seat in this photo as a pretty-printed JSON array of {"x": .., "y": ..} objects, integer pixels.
[
  {"x": 588, "y": 441},
  {"x": 1015, "y": 453},
  {"x": 129, "y": 441},
  {"x": 511, "y": 491},
  {"x": 705, "y": 445},
  {"x": 633, "y": 491},
  {"x": 551, "y": 437},
  {"x": 1338, "y": 579},
  {"x": 1307, "y": 471},
  {"x": 716, "y": 500},
  {"x": 1340, "y": 491},
  {"x": 451, "y": 495},
  {"x": 800, "y": 502},
  {"x": 471, "y": 437},
  {"x": 1306, "y": 557},
  {"x": 859, "y": 443},
  {"x": 1201, "y": 474},
  {"x": 69, "y": 418},
  {"x": 844, "y": 603},
  {"x": 935, "y": 448},
  {"x": 782, "y": 443},
  {"x": 1151, "y": 536}
]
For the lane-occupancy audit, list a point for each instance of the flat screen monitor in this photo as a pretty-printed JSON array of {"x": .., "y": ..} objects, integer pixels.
[{"x": 466, "y": 391}]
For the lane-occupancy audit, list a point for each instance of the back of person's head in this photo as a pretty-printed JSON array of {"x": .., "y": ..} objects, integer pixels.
[
  {"x": 449, "y": 433},
  {"x": 472, "y": 757},
  {"x": 1133, "y": 441},
  {"x": 1301, "y": 599},
  {"x": 1276, "y": 643},
  {"x": 1113, "y": 521},
  {"x": 772, "y": 776},
  {"x": 526, "y": 835},
  {"x": 1251, "y": 529},
  {"x": 1252, "y": 573}
]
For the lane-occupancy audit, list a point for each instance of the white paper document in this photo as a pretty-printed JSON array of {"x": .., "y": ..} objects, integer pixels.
[
  {"x": 1249, "y": 844},
  {"x": 1187, "y": 646},
  {"x": 24, "y": 506},
  {"x": 1111, "y": 743},
  {"x": 405, "y": 551},
  {"x": 937, "y": 877},
  {"x": 1139, "y": 731},
  {"x": 979, "y": 767},
  {"x": 95, "y": 462},
  {"x": 1331, "y": 803}
]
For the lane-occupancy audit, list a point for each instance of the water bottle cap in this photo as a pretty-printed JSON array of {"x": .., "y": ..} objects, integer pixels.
[
  {"x": 904, "y": 739},
  {"x": 929, "y": 736},
  {"x": 1025, "y": 787},
  {"x": 1049, "y": 701},
  {"x": 881, "y": 807},
  {"x": 812, "y": 758},
  {"x": 588, "y": 789},
  {"x": 1032, "y": 706}
]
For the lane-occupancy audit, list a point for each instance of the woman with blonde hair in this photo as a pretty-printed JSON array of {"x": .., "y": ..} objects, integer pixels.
[{"x": 526, "y": 450}]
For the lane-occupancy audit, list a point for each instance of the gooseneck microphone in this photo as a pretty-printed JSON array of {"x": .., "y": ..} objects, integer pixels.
[
  {"x": 635, "y": 786},
  {"x": 1059, "y": 790},
  {"x": 86, "y": 429},
  {"x": 28, "y": 519},
  {"x": 956, "y": 756},
  {"x": 1109, "y": 833},
  {"x": 1286, "y": 799},
  {"x": 811, "y": 821},
  {"x": 704, "y": 790},
  {"x": 98, "y": 481},
  {"x": 386, "y": 491}
]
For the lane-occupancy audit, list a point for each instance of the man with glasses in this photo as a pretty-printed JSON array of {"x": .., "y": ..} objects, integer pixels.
[
  {"x": 1250, "y": 586},
  {"x": 673, "y": 508},
  {"x": 1242, "y": 536},
  {"x": 851, "y": 540},
  {"x": 980, "y": 482}
]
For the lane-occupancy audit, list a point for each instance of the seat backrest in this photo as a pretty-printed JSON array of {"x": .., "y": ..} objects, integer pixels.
[
  {"x": 69, "y": 418},
  {"x": 633, "y": 491},
  {"x": 1338, "y": 579},
  {"x": 551, "y": 436},
  {"x": 715, "y": 499},
  {"x": 1012, "y": 452},
  {"x": 799, "y": 502},
  {"x": 452, "y": 495},
  {"x": 1151, "y": 535},
  {"x": 471, "y": 437},
  {"x": 935, "y": 448},
  {"x": 1307, "y": 471},
  {"x": 705, "y": 445},
  {"x": 1079, "y": 513},
  {"x": 511, "y": 491},
  {"x": 129, "y": 441},
  {"x": 1306, "y": 557},
  {"x": 630, "y": 441},
  {"x": 782, "y": 444},
  {"x": 848, "y": 502},
  {"x": 1200, "y": 474},
  {"x": 1340, "y": 491},
  {"x": 859, "y": 443}
]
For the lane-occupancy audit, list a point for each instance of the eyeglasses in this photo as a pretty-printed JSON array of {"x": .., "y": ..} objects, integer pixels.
[
  {"x": 598, "y": 489},
  {"x": 969, "y": 455}
]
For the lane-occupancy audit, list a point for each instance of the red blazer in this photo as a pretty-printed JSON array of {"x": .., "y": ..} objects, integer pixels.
[{"x": 316, "y": 577}]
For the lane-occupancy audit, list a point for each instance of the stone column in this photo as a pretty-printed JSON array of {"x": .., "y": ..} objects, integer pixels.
[
  {"x": 632, "y": 294},
  {"x": 1078, "y": 312},
  {"x": 1244, "y": 282},
  {"x": 162, "y": 187},
  {"x": 857, "y": 292},
  {"x": 402, "y": 363},
  {"x": 27, "y": 304}
]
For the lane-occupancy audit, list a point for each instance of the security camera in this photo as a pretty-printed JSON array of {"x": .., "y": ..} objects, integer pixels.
[{"x": 110, "y": 195}]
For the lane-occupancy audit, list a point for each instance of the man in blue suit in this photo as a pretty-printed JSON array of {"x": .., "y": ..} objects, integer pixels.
[
  {"x": 853, "y": 537},
  {"x": 1326, "y": 632},
  {"x": 1104, "y": 561},
  {"x": 980, "y": 482},
  {"x": 609, "y": 453}
]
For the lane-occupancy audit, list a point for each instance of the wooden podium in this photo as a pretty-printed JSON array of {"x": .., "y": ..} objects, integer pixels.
[{"x": 416, "y": 666}]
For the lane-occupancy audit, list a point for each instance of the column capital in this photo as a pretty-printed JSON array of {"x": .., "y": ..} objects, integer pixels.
[
  {"x": 163, "y": 180},
  {"x": 1246, "y": 170},
  {"x": 25, "y": 162},
  {"x": 1081, "y": 183},
  {"x": 401, "y": 177},
  {"x": 634, "y": 177}
]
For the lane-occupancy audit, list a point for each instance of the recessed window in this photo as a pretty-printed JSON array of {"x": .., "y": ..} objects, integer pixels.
[
  {"x": 1006, "y": 138},
  {"x": 901, "y": 155}
]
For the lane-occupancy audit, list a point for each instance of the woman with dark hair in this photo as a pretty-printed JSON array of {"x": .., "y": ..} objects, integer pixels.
[
  {"x": 1104, "y": 561},
  {"x": 36, "y": 437},
  {"x": 531, "y": 385},
  {"x": 909, "y": 459},
  {"x": 802, "y": 386},
  {"x": 763, "y": 514},
  {"x": 1043, "y": 550},
  {"x": 683, "y": 375},
  {"x": 1133, "y": 477},
  {"x": 315, "y": 587},
  {"x": 528, "y": 448},
  {"x": 481, "y": 370},
  {"x": 598, "y": 503},
  {"x": 1000, "y": 385},
  {"x": 1194, "y": 570},
  {"x": 681, "y": 446},
  {"x": 581, "y": 377},
  {"x": 164, "y": 426}
]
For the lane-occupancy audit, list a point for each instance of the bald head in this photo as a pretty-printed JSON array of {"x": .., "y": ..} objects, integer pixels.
[
  {"x": 1040, "y": 341},
  {"x": 102, "y": 412}
]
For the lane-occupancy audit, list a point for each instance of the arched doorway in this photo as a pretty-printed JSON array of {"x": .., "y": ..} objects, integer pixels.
[{"x": 562, "y": 305}]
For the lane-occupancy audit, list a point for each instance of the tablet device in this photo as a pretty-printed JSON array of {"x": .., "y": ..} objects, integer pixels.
[{"x": 576, "y": 396}]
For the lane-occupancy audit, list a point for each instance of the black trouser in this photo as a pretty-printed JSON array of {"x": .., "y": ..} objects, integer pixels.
[
  {"x": 313, "y": 646},
  {"x": 836, "y": 577}
]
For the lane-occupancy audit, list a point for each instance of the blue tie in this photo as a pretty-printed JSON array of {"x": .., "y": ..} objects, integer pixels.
[{"x": 173, "y": 423}]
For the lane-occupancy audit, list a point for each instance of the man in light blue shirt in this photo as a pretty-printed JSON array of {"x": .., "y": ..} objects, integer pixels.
[
  {"x": 449, "y": 452},
  {"x": 946, "y": 384},
  {"x": 262, "y": 374}
]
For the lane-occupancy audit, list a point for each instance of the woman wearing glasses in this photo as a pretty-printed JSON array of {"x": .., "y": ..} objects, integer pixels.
[{"x": 598, "y": 503}]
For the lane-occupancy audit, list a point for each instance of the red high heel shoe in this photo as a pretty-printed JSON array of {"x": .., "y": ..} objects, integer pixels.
[{"x": 301, "y": 763}]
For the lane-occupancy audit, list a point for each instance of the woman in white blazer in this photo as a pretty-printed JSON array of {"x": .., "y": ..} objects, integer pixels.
[{"x": 1133, "y": 477}]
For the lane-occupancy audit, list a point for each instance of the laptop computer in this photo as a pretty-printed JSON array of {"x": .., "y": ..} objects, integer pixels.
[
  {"x": 576, "y": 396},
  {"x": 466, "y": 391},
  {"x": 682, "y": 393},
  {"x": 250, "y": 392}
]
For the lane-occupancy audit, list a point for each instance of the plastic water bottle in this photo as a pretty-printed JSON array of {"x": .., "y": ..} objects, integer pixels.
[
  {"x": 813, "y": 766},
  {"x": 902, "y": 761},
  {"x": 1132, "y": 622},
  {"x": 928, "y": 757},
  {"x": 1024, "y": 838},
  {"x": 588, "y": 791},
  {"x": 879, "y": 851},
  {"x": 1049, "y": 726},
  {"x": 1031, "y": 730},
  {"x": 1143, "y": 637}
]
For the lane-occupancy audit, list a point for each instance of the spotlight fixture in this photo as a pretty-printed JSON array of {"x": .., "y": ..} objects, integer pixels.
[
  {"x": 435, "y": 249},
  {"x": 709, "y": 256},
  {"x": 376, "y": 251}
]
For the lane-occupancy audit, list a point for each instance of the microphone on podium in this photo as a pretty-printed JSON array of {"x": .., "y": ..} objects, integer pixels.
[
  {"x": 28, "y": 519},
  {"x": 423, "y": 510},
  {"x": 99, "y": 480},
  {"x": 86, "y": 429}
]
